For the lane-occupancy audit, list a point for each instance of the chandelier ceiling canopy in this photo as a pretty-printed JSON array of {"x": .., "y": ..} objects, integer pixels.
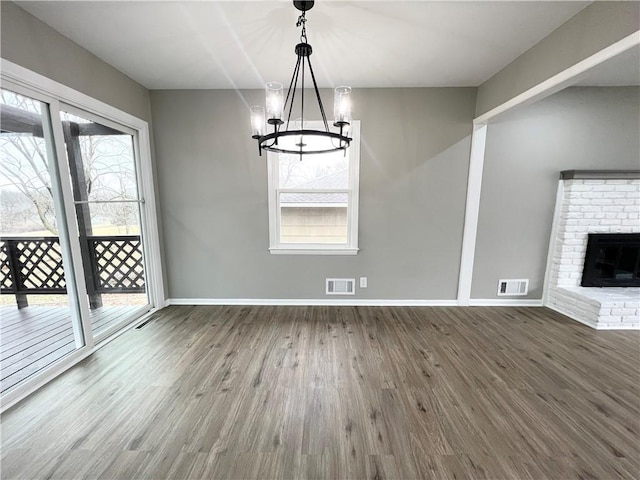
[{"x": 294, "y": 136}]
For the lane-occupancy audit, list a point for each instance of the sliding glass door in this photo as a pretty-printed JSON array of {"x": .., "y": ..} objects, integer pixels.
[
  {"x": 73, "y": 262},
  {"x": 40, "y": 317},
  {"x": 107, "y": 204}
]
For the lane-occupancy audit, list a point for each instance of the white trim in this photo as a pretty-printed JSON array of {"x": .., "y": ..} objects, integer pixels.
[
  {"x": 38, "y": 380},
  {"x": 490, "y": 302},
  {"x": 312, "y": 205},
  {"x": 313, "y": 251},
  {"x": 150, "y": 237},
  {"x": 313, "y": 302},
  {"x": 69, "y": 229},
  {"x": 314, "y": 192},
  {"x": 503, "y": 302},
  {"x": 96, "y": 118},
  {"x": 564, "y": 78},
  {"x": 472, "y": 212},
  {"x": 552, "y": 242},
  {"x": 40, "y": 83},
  {"x": 354, "y": 197},
  {"x": 14, "y": 73},
  {"x": 272, "y": 200}
]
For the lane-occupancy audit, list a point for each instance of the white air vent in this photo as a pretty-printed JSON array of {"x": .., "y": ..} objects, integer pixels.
[
  {"x": 341, "y": 286},
  {"x": 513, "y": 287}
]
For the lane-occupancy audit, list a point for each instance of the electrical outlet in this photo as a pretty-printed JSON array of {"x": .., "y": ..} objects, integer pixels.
[{"x": 363, "y": 282}]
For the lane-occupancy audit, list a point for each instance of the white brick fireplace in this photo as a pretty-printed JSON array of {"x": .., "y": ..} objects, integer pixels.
[{"x": 592, "y": 202}]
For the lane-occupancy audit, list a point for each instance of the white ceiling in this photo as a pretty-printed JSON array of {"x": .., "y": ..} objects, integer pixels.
[{"x": 242, "y": 44}]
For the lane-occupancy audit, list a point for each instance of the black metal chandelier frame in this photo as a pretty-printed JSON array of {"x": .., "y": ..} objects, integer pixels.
[{"x": 270, "y": 141}]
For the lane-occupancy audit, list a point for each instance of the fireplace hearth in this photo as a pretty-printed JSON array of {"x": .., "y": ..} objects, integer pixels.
[
  {"x": 612, "y": 260},
  {"x": 593, "y": 274}
]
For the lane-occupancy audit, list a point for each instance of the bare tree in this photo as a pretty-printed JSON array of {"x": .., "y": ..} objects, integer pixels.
[{"x": 107, "y": 164}]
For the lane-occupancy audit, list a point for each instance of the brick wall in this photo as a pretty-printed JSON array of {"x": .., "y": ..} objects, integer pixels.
[{"x": 592, "y": 206}]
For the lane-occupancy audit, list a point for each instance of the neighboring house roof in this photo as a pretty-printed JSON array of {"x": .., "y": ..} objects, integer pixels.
[{"x": 328, "y": 182}]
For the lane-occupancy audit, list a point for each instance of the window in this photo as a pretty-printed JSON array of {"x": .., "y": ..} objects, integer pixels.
[{"x": 313, "y": 202}]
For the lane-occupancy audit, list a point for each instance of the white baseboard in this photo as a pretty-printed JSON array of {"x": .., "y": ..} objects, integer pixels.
[
  {"x": 313, "y": 302},
  {"x": 491, "y": 302},
  {"x": 504, "y": 302}
]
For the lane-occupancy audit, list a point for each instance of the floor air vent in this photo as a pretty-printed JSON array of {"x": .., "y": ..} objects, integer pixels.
[
  {"x": 145, "y": 323},
  {"x": 341, "y": 286},
  {"x": 513, "y": 287}
]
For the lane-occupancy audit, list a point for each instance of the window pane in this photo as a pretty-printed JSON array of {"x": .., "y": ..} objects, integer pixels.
[
  {"x": 107, "y": 159},
  {"x": 314, "y": 218},
  {"x": 314, "y": 172},
  {"x": 39, "y": 324}
]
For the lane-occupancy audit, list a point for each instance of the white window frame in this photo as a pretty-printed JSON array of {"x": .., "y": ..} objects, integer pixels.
[{"x": 349, "y": 248}]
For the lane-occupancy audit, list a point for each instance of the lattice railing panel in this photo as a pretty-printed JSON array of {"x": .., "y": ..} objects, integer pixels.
[
  {"x": 118, "y": 262},
  {"x": 6, "y": 279},
  {"x": 34, "y": 265},
  {"x": 40, "y": 263}
]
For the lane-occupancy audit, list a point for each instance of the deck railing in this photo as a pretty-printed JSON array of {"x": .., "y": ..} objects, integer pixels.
[{"x": 33, "y": 265}]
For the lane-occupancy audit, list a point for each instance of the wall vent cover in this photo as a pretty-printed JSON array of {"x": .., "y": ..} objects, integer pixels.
[
  {"x": 341, "y": 286},
  {"x": 513, "y": 287}
]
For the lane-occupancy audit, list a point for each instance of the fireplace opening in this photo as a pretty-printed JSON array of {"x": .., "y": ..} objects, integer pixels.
[{"x": 612, "y": 260}]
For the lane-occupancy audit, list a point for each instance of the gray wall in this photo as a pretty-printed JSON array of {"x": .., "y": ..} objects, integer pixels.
[
  {"x": 414, "y": 160},
  {"x": 594, "y": 28},
  {"x": 578, "y": 128},
  {"x": 33, "y": 44}
]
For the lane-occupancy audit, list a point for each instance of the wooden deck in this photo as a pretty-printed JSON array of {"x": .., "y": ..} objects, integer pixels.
[{"x": 34, "y": 337}]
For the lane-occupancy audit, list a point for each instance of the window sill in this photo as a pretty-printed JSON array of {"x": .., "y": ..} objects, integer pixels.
[{"x": 312, "y": 251}]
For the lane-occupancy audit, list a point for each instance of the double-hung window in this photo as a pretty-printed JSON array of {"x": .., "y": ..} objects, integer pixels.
[{"x": 313, "y": 200}]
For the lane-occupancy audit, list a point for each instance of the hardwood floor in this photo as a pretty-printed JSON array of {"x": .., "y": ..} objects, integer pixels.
[
  {"x": 337, "y": 393},
  {"x": 34, "y": 337}
]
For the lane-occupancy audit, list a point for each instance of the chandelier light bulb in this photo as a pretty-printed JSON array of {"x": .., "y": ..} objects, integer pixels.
[
  {"x": 257, "y": 122},
  {"x": 342, "y": 105},
  {"x": 274, "y": 101}
]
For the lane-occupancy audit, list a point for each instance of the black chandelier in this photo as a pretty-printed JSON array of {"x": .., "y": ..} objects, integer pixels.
[{"x": 292, "y": 136}]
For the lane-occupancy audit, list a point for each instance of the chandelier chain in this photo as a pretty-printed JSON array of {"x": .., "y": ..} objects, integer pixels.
[{"x": 302, "y": 21}]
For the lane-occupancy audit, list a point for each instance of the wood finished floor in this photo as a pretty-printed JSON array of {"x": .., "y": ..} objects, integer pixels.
[
  {"x": 339, "y": 393},
  {"x": 34, "y": 337}
]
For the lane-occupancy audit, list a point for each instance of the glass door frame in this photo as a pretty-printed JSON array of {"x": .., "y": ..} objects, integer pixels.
[
  {"x": 66, "y": 107},
  {"x": 26, "y": 82}
]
